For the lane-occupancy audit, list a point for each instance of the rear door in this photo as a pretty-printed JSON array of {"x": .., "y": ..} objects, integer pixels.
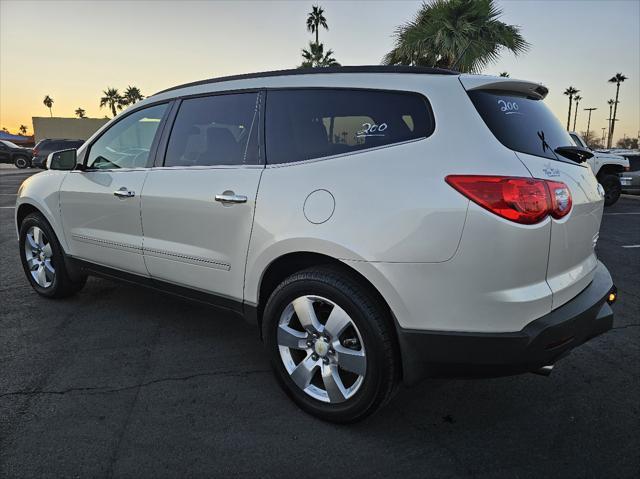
[
  {"x": 198, "y": 204},
  {"x": 523, "y": 123}
]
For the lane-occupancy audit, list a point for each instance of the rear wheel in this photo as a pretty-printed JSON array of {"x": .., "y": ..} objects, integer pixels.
[
  {"x": 612, "y": 188},
  {"x": 21, "y": 162},
  {"x": 43, "y": 259},
  {"x": 331, "y": 345}
]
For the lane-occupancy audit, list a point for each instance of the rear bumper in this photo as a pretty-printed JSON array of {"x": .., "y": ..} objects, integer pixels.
[{"x": 541, "y": 342}]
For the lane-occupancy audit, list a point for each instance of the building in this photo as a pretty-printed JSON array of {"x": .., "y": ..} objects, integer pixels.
[{"x": 68, "y": 128}]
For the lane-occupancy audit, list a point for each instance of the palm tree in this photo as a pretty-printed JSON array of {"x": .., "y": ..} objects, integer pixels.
[
  {"x": 617, "y": 79},
  {"x": 577, "y": 99},
  {"x": 48, "y": 102},
  {"x": 111, "y": 99},
  {"x": 504, "y": 74},
  {"x": 80, "y": 113},
  {"x": 315, "y": 20},
  {"x": 132, "y": 95},
  {"x": 315, "y": 57},
  {"x": 23, "y": 129},
  {"x": 456, "y": 34},
  {"x": 570, "y": 92}
]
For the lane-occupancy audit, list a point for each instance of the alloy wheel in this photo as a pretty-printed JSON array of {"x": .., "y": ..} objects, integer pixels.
[
  {"x": 38, "y": 253},
  {"x": 321, "y": 349}
]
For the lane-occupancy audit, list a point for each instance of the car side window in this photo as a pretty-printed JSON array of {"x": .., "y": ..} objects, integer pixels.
[
  {"x": 127, "y": 143},
  {"x": 303, "y": 124},
  {"x": 215, "y": 130}
]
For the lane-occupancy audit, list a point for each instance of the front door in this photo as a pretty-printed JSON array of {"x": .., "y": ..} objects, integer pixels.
[
  {"x": 197, "y": 209},
  {"x": 101, "y": 205}
]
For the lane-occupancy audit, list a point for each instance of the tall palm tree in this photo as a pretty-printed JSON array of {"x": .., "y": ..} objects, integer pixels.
[
  {"x": 617, "y": 79},
  {"x": 48, "y": 102},
  {"x": 111, "y": 99},
  {"x": 132, "y": 95},
  {"x": 570, "y": 92},
  {"x": 577, "y": 99},
  {"x": 23, "y": 129},
  {"x": 80, "y": 113},
  {"x": 458, "y": 34},
  {"x": 315, "y": 20},
  {"x": 315, "y": 57}
]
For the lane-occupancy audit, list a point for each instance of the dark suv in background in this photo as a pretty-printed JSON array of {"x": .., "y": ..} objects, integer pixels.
[{"x": 44, "y": 147}]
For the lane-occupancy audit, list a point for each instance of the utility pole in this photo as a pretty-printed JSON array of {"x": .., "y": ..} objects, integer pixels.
[
  {"x": 589, "y": 121},
  {"x": 604, "y": 128}
]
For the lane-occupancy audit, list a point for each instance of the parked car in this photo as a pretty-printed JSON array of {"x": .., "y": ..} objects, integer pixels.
[
  {"x": 339, "y": 211},
  {"x": 12, "y": 153},
  {"x": 630, "y": 178},
  {"x": 44, "y": 147},
  {"x": 607, "y": 168}
]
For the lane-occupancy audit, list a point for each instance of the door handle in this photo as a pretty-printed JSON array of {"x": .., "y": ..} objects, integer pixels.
[
  {"x": 231, "y": 197},
  {"x": 124, "y": 193}
]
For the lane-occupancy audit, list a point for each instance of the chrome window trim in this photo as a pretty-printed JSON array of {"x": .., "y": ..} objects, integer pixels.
[{"x": 209, "y": 167}]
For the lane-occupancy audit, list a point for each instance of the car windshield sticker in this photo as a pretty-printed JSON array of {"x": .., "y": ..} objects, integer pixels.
[
  {"x": 509, "y": 107},
  {"x": 372, "y": 129}
]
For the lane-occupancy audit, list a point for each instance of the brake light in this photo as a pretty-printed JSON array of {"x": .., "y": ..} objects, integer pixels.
[
  {"x": 522, "y": 200},
  {"x": 560, "y": 199}
]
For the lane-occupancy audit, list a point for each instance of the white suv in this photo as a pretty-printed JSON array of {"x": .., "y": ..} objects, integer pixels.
[{"x": 378, "y": 224}]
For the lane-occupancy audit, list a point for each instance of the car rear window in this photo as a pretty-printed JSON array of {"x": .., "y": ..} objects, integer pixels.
[
  {"x": 303, "y": 124},
  {"x": 520, "y": 123}
]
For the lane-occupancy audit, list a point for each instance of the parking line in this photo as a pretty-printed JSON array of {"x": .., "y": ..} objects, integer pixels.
[
  {"x": 12, "y": 207},
  {"x": 611, "y": 214},
  {"x": 632, "y": 246}
]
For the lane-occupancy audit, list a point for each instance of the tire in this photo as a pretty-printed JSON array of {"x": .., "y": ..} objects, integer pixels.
[
  {"x": 21, "y": 162},
  {"x": 43, "y": 259},
  {"x": 612, "y": 188},
  {"x": 331, "y": 392}
]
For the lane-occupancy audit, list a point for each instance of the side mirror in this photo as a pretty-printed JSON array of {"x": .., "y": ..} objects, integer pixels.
[{"x": 62, "y": 160}]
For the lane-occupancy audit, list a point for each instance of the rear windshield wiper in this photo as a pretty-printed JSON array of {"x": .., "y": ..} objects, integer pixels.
[{"x": 574, "y": 153}]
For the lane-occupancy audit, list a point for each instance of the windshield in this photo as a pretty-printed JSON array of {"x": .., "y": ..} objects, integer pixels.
[
  {"x": 9, "y": 144},
  {"x": 520, "y": 123},
  {"x": 577, "y": 141}
]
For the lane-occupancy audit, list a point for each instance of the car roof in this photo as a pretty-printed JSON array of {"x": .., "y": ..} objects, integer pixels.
[{"x": 312, "y": 71}]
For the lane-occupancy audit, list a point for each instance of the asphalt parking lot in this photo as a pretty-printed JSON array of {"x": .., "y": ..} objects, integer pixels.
[{"x": 120, "y": 381}]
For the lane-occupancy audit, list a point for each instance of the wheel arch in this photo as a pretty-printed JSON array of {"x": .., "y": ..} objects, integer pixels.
[
  {"x": 292, "y": 262},
  {"x": 610, "y": 169},
  {"x": 27, "y": 207}
]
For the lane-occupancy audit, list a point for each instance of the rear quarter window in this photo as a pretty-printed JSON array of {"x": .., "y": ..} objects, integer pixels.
[
  {"x": 520, "y": 123},
  {"x": 304, "y": 124}
]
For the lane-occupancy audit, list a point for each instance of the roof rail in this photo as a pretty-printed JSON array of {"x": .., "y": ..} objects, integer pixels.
[{"x": 311, "y": 71}]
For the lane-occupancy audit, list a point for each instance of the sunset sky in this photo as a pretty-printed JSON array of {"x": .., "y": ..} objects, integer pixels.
[{"x": 72, "y": 50}]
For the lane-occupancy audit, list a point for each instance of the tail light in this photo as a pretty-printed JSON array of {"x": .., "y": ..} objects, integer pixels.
[
  {"x": 522, "y": 200},
  {"x": 560, "y": 196}
]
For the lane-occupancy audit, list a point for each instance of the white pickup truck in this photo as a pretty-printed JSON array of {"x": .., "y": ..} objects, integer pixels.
[{"x": 606, "y": 168}]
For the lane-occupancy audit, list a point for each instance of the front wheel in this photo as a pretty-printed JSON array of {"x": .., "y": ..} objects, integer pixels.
[
  {"x": 612, "y": 188},
  {"x": 331, "y": 344},
  {"x": 43, "y": 259},
  {"x": 21, "y": 162}
]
